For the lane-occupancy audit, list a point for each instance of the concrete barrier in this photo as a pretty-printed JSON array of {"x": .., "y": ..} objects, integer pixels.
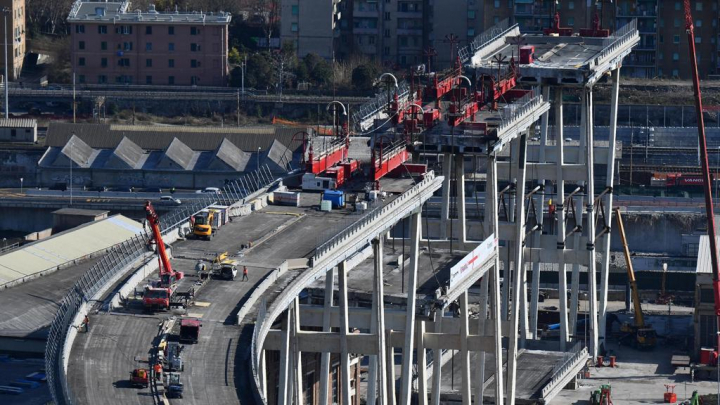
[
  {"x": 148, "y": 267},
  {"x": 260, "y": 290}
]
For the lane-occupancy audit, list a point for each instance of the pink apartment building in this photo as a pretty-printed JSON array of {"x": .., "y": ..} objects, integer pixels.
[{"x": 114, "y": 45}]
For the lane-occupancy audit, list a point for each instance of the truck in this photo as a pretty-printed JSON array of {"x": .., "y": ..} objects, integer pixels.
[
  {"x": 140, "y": 377},
  {"x": 158, "y": 296},
  {"x": 203, "y": 224},
  {"x": 224, "y": 268},
  {"x": 189, "y": 330},
  {"x": 173, "y": 359}
]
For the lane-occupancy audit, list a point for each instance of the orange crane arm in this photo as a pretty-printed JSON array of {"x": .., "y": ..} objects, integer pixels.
[
  {"x": 154, "y": 221},
  {"x": 639, "y": 319}
]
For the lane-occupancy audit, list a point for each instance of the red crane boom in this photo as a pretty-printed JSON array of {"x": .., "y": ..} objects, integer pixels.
[
  {"x": 167, "y": 275},
  {"x": 707, "y": 185}
]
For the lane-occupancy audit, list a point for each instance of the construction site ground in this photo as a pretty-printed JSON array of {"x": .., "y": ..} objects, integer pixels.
[{"x": 639, "y": 378}]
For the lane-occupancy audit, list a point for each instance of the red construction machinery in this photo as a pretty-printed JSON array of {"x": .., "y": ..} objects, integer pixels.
[{"x": 159, "y": 295}]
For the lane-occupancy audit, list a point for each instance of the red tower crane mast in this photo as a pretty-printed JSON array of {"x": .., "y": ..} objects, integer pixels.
[
  {"x": 167, "y": 275},
  {"x": 707, "y": 185}
]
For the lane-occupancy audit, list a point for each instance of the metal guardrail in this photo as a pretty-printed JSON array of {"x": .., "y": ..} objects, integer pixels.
[
  {"x": 610, "y": 44},
  {"x": 376, "y": 105},
  {"x": 520, "y": 109},
  {"x": 109, "y": 266},
  {"x": 576, "y": 354},
  {"x": 483, "y": 39},
  {"x": 8, "y": 248}
]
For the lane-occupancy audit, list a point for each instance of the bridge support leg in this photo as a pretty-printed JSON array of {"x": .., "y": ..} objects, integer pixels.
[
  {"x": 437, "y": 362},
  {"x": 492, "y": 207},
  {"x": 519, "y": 267},
  {"x": 297, "y": 355},
  {"x": 608, "y": 208},
  {"x": 325, "y": 357},
  {"x": 344, "y": 327},
  {"x": 390, "y": 371},
  {"x": 285, "y": 361},
  {"x": 590, "y": 214},
  {"x": 406, "y": 377},
  {"x": 464, "y": 353},
  {"x": 445, "y": 204},
  {"x": 377, "y": 389},
  {"x": 482, "y": 318},
  {"x": 421, "y": 364},
  {"x": 460, "y": 187},
  {"x": 560, "y": 212}
]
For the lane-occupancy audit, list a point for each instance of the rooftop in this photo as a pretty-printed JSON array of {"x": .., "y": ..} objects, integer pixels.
[
  {"x": 17, "y": 123},
  {"x": 79, "y": 211},
  {"x": 117, "y": 12}
]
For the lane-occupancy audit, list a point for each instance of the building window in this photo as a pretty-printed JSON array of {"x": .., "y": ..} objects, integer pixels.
[
  {"x": 102, "y": 29},
  {"x": 81, "y": 61},
  {"x": 471, "y": 14},
  {"x": 148, "y": 46},
  {"x": 294, "y": 27},
  {"x": 698, "y": 40},
  {"x": 81, "y": 45},
  {"x": 386, "y": 51},
  {"x": 194, "y": 80},
  {"x": 387, "y": 16},
  {"x": 81, "y": 78},
  {"x": 124, "y": 29},
  {"x": 103, "y": 46},
  {"x": 103, "y": 62},
  {"x": 497, "y": 3},
  {"x": 676, "y": 23},
  {"x": 471, "y": 32},
  {"x": 79, "y": 29},
  {"x": 496, "y": 20},
  {"x": 148, "y": 79},
  {"x": 171, "y": 79},
  {"x": 193, "y": 63},
  {"x": 124, "y": 62},
  {"x": 371, "y": 39},
  {"x": 661, "y": 56},
  {"x": 676, "y": 39},
  {"x": 171, "y": 63},
  {"x": 698, "y": 6},
  {"x": 148, "y": 30},
  {"x": 194, "y": 31},
  {"x": 148, "y": 62},
  {"x": 127, "y": 46},
  {"x": 571, "y": 5},
  {"x": 194, "y": 47},
  {"x": 661, "y": 38},
  {"x": 698, "y": 23},
  {"x": 295, "y": 10},
  {"x": 571, "y": 22},
  {"x": 102, "y": 79},
  {"x": 387, "y": 33},
  {"x": 676, "y": 56},
  {"x": 675, "y": 73},
  {"x": 171, "y": 30},
  {"x": 677, "y": 5},
  {"x": 171, "y": 46}
]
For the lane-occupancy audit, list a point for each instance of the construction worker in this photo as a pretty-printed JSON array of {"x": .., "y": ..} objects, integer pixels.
[
  {"x": 86, "y": 322},
  {"x": 245, "y": 275},
  {"x": 158, "y": 371}
]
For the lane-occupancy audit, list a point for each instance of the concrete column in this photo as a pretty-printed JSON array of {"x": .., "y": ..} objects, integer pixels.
[
  {"x": 390, "y": 371},
  {"x": 344, "y": 326},
  {"x": 445, "y": 203},
  {"x": 415, "y": 231},
  {"x": 262, "y": 370},
  {"x": 325, "y": 357},
  {"x": 590, "y": 213},
  {"x": 482, "y": 318},
  {"x": 297, "y": 355},
  {"x": 464, "y": 353},
  {"x": 560, "y": 212},
  {"x": 284, "y": 361},
  {"x": 380, "y": 377},
  {"x": 575, "y": 283},
  {"x": 491, "y": 202},
  {"x": 517, "y": 279},
  {"x": 460, "y": 187},
  {"x": 437, "y": 362},
  {"x": 421, "y": 364},
  {"x": 608, "y": 201},
  {"x": 540, "y": 200}
]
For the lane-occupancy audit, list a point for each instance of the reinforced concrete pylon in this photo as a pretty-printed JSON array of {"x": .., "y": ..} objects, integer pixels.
[
  {"x": 325, "y": 357},
  {"x": 344, "y": 326},
  {"x": 297, "y": 355},
  {"x": 608, "y": 200},
  {"x": 377, "y": 387},
  {"x": 590, "y": 216},
  {"x": 407, "y": 358},
  {"x": 492, "y": 204},
  {"x": 460, "y": 193},
  {"x": 445, "y": 203},
  {"x": 560, "y": 211}
]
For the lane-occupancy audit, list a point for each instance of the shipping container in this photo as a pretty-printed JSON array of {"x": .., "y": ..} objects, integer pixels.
[
  {"x": 337, "y": 198},
  {"x": 286, "y": 198}
]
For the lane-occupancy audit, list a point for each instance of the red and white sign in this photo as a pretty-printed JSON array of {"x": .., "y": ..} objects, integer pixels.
[{"x": 473, "y": 261}]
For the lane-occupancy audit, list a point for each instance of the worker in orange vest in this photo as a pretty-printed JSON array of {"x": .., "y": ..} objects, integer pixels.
[
  {"x": 158, "y": 370},
  {"x": 245, "y": 276},
  {"x": 86, "y": 322}
]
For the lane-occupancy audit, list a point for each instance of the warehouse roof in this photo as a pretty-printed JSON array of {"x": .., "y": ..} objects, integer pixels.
[
  {"x": 18, "y": 123},
  {"x": 46, "y": 255},
  {"x": 148, "y": 137},
  {"x": 126, "y": 155},
  {"x": 231, "y": 156},
  {"x": 76, "y": 150},
  {"x": 178, "y": 156}
]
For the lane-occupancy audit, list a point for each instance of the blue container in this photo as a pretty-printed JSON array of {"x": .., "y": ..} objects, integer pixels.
[{"x": 337, "y": 198}]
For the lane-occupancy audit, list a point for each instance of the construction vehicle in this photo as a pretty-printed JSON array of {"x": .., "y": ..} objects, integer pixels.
[
  {"x": 637, "y": 334},
  {"x": 224, "y": 268},
  {"x": 140, "y": 377},
  {"x": 602, "y": 395},
  {"x": 173, "y": 359},
  {"x": 189, "y": 330},
  {"x": 159, "y": 294},
  {"x": 204, "y": 224},
  {"x": 173, "y": 387}
]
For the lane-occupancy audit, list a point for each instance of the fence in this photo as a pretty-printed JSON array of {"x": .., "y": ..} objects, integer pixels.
[
  {"x": 112, "y": 266},
  {"x": 570, "y": 359},
  {"x": 483, "y": 39}
]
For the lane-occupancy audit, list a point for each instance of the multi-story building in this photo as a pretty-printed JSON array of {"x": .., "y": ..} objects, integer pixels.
[
  {"x": 459, "y": 18},
  {"x": 113, "y": 45},
  {"x": 311, "y": 25},
  {"x": 15, "y": 34}
]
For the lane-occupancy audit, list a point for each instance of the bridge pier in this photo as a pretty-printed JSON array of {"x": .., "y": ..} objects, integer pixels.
[
  {"x": 464, "y": 353},
  {"x": 482, "y": 318},
  {"x": 575, "y": 286},
  {"x": 297, "y": 355},
  {"x": 377, "y": 389},
  {"x": 445, "y": 203},
  {"x": 284, "y": 361},
  {"x": 460, "y": 192},
  {"x": 590, "y": 215},
  {"x": 415, "y": 235},
  {"x": 494, "y": 281},
  {"x": 344, "y": 326},
  {"x": 560, "y": 212},
  {"x": 325, "y": 357},
  {"x": 437, "y": 363}
]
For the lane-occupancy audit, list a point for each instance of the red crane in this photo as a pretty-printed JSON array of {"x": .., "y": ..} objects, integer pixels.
[
  {"x": 167, "y": 275},
  {"x": 707, "y": 185}
]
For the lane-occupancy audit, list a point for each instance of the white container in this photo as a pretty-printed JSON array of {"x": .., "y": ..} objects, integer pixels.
[
  {"x": 361, "y": 206},
  {"x": 373, "y": 195},
  {"x": 326, "y": 206},
  {"x": 286, "y": 198}
]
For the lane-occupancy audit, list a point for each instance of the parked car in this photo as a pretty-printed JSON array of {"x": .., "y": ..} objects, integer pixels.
[
  {"x": 170, "y": 199},
  {"x": 212, "y": 190},
  {"x": 98, "y": 188}
]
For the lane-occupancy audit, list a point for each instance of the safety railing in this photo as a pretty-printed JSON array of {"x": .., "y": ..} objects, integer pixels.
[
  {"x": 570, "y": 360},
  {"x": 111, "y": 266},
  {"x": 520, "y": 108},
  {"x": 620, "y": 37},
  {"x": 376, "y": 105},
  {"x": 8, "y": 248},
  {"x": 483, "y": 39}
]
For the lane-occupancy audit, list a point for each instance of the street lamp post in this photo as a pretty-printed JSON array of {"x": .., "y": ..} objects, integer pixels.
[
  {"x": 258, "y": 158},
  {"x": 21, "y": 185},
  {"x": 5, "y": 11}
]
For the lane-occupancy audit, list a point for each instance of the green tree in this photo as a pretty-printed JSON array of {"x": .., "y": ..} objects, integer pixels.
[
  {"x": 363, "y": 76},
  {"x": 322, "y": 73},
  {"x": 259, "y": 73},
  {"x": 234, "y": 56}
]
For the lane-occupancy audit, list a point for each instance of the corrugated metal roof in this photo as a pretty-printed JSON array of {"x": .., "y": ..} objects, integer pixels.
[
  {"x": 126, "y": 155},
  {"x": 230, "y": 155},
  {"x": 178, "y": 156},
  {"x": 76, "y": 150},
  {"x": 73, "y": 244},
  {"x": 104, "y": 136},
  {"x": 18, "y": 123},
  {"x": 79, "y": 211},
  {"x": 703, "y": 262}
]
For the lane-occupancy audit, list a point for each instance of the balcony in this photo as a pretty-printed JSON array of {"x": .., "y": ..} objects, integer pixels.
[
  {"x": 409, "y": 31},
  {"x": 365, "y": 14},
  {"x": 410, "y": 14},
  {"x": 365, "y": 30}
]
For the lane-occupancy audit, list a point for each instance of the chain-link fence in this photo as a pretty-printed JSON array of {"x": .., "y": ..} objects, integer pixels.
[{"x": 110, "y": 267}]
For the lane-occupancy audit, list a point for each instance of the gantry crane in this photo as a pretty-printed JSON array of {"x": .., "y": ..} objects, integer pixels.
[{"x": 638, "y": 334}]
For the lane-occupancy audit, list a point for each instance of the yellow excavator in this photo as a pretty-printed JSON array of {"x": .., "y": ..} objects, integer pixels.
[{"x": 637, "y": 334}]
